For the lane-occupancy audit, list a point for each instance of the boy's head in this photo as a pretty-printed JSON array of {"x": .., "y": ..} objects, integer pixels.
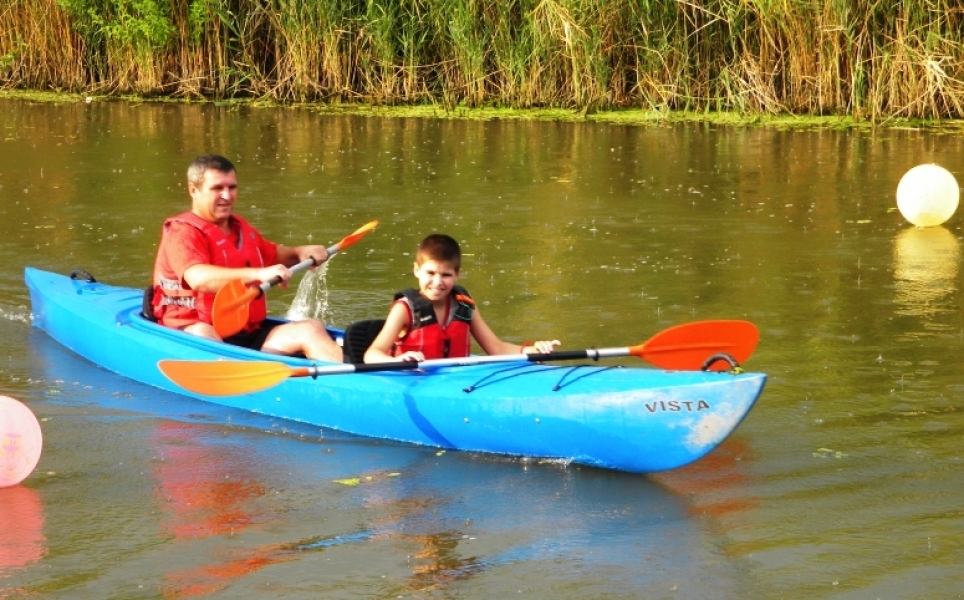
[
  {"x": 440, "y": 248},
  {"x": 437, "y": 266}
]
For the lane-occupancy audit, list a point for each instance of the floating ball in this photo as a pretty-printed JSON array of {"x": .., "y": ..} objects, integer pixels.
[
  {"x": 927, "y": 195},
  {"x": 20, "y": 441}
]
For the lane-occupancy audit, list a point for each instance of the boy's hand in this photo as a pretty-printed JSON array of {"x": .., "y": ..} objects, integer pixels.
[
  {"x": 411, "y": 356},
  {"x": 540, "y": 347}
]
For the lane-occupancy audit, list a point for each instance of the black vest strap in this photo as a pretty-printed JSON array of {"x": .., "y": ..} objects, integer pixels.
[{"x": 423, "y": 314}]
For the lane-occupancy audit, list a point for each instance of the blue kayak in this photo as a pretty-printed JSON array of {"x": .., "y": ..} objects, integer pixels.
[{"x": 630, "y": 419}]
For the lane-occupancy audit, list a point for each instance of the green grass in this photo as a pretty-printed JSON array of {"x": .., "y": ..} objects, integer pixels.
[{"x": 632, "y": 117}]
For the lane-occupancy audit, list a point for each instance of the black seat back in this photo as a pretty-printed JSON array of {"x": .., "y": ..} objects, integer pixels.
[
  {"x": 147, "y": 308},
  {"x": 358, "y": 337}
]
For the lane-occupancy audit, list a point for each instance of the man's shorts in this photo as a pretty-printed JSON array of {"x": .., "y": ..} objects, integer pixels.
[{"x": 255, "y": 338}]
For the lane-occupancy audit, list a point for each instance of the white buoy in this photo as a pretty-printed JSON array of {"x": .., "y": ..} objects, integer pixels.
[{"x": 927, "y": 195}]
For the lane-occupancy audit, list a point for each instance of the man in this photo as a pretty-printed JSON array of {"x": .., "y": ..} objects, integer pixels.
[{"x": 203, "y": 249}]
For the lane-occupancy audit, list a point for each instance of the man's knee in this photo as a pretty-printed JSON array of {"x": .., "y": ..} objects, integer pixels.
[
  {"x": 294, "y": 336},
  {"x": 309, "y": 337},
  {"x": 319, "y": 327},
  {"x": 204, "y": 330}
]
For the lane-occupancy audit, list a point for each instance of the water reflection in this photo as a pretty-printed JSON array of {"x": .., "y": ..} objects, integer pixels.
[
  {"x": 925, "y": 271},
  {"x": 207, "y": 488},
  {"x": 22, "y": 540},
  {"x": 465, "y": 518},
  {"x": 719, "y": 484},
  {"x": 456, "y": 517}
]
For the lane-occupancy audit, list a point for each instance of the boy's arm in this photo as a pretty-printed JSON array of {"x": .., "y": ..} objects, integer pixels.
[
  {"x": 380, "y": 350},
  {"x": 491, "y": 343}
]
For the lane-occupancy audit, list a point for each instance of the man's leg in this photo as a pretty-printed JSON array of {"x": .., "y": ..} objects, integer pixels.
[
  {"x": 308, "y": 337},
  {"x": 205, "y": 330}
]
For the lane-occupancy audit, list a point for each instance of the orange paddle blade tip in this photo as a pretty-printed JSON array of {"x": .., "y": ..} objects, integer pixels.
[
  {"x": 356, "y": 235},
  {"x": 225, "y": 378},
  {"x": 366, "y": 227},
  {"x": 687, "y": 346}
]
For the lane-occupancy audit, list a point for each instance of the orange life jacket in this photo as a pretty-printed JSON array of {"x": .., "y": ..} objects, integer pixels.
[
  {"x": 179, "y": 306},
  {"x": 433, "y": 339}
]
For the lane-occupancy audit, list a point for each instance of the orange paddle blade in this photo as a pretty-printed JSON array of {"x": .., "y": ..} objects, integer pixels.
[
  {"x": 226, "y": 378},
  {"x": 231, "y": 307},
  {"x": 350, "y": 239},
  {"x": 686, "y": 347}
]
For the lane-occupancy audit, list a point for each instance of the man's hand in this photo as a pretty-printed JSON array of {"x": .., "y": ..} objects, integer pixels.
[{"x": 317, "y": 253}]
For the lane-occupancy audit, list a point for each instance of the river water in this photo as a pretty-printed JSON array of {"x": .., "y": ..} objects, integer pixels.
[{"x": 843, "y": 482}]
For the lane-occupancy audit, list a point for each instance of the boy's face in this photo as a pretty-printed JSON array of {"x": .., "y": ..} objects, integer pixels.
[{"x": 436, "y": 278}]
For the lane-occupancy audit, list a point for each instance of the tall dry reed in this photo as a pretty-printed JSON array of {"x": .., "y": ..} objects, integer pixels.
[{"x": 873, "y": 61}]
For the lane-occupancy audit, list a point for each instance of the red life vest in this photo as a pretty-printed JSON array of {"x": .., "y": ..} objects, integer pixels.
[
  {"x": 178, "y": 306},
  {"x": 426, "y": 335}
]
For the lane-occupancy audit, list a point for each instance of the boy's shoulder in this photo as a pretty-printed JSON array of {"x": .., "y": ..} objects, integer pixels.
[
  {"x": 462, "y": 295},
  {"x": 422, "y": 311},
  {"x": 412, "y": 295}
]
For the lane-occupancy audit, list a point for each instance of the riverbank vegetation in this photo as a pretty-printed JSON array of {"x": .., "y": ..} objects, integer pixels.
[{"x": 868, "y": 62}]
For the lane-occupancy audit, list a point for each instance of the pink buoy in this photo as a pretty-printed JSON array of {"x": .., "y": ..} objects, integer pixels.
[{"x": 20, "y": 441}]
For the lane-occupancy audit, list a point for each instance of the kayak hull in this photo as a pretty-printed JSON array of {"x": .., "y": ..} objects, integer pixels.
[{"x": 629, "y": 419}]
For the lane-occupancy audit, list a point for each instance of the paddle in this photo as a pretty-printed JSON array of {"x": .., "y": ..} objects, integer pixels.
[
  {"x": 683, "y": 347},
  {"x": 229, "y": 312}
]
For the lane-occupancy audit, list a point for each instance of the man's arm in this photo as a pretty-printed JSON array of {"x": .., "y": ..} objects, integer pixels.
[
  {"x": 292, "y": 255},
  {"x": 210, "y": 278}
]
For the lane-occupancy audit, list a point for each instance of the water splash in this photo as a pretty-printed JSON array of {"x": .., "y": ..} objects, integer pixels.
[
  {"x": 312, "y": 299},
  {"x": 20, "y": 314}
]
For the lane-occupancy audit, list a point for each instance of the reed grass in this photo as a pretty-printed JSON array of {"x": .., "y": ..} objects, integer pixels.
[
  {"x": 870, "y": 61},
  {"x": 38, "y": 49}
]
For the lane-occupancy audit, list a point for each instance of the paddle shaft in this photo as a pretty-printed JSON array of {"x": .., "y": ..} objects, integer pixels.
[
  {"x": 683, "y": 347},
  {"x": 306, "y": 263},
  {"x": 229, "y": 378},
  {"x": 438, "y": 363},
  {"x": 266, "y": 285},
  {"x": 254, "y": 292}
]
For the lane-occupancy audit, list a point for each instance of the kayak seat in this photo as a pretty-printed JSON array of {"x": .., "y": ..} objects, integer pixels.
[
  {"x": 358, "y": 337},
  {"x": 147, "y": 306}
]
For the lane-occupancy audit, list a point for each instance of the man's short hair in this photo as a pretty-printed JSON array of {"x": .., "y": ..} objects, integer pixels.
[
  {"x": 208, "y": 162},
  {"x": 442, "y": 248}
]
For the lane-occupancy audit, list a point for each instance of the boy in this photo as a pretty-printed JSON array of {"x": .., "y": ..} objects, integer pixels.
[{"x": 439, "y": 319}]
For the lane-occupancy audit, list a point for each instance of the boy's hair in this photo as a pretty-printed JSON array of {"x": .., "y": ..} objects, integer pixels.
[
  {"x": 442, "y": 248},
  {"x": 208, "y": 162}
]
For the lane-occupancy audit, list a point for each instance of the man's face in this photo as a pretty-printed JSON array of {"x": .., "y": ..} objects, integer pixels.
[{"x": 214, "y": 199}]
